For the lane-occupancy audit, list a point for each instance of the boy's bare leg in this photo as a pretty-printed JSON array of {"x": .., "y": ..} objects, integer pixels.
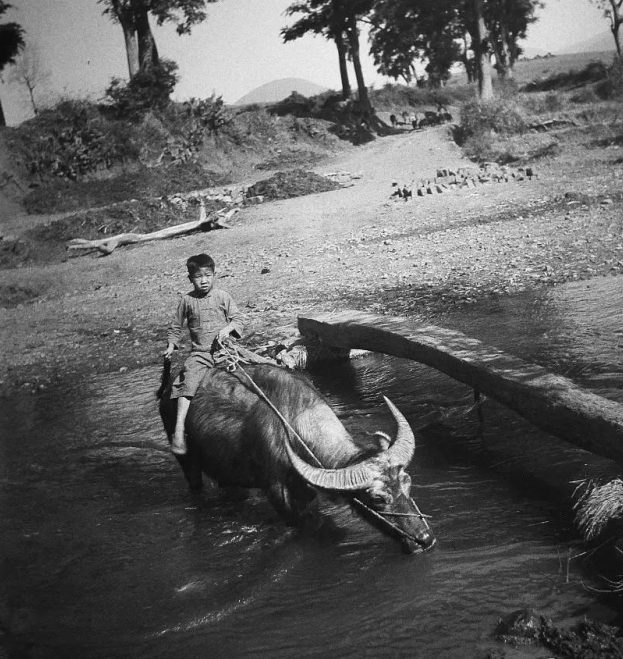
[{"x": 178, "y": 443}]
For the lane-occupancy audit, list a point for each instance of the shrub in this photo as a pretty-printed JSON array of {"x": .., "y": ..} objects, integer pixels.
[
  {"x": 208, "y": 114},
  {"x": 149, "y": 89},
  {"x": 71, "y": 141},
  {"x": 585, "y": 95},
  {"x": 501, "y": 116},
  {"x": 615, "y": 76},
  {"x": 543, "y": 103},
  {"x": 391, "y": 97},
  {"x": 572, "y": 79},
  {"x": 612, "y": 86},
  {"x": 486, "y": 127}
]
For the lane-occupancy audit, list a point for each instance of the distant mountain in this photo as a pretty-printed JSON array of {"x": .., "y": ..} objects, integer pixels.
[
  {"x": 600, "y": 43},
  {"x": 277, "y": 90}
]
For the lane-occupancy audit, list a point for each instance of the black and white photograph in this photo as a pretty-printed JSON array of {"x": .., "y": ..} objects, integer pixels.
[{"x": 311, "y": 315}]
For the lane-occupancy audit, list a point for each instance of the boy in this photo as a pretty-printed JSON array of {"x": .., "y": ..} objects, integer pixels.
[{"x": 212, "y": 316}]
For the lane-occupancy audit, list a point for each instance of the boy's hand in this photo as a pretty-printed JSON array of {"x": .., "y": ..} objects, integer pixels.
[
  {"x": 169, "y": 351},
  {"x": 223, "y": 334}
]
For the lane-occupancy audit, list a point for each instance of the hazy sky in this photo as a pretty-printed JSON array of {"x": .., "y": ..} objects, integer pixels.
[{"x": 237, "y": 49}]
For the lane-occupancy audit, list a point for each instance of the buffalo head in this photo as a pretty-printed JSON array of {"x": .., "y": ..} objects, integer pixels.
[{"x": 378, "y": 486}]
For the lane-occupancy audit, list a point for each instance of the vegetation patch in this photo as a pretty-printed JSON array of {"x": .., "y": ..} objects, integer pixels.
[
  {"x": 296, "y": 183},
  {"x": 596, "y": 81},
  {"x": 294, "y": 159},
  {"x": 572, "y": 79},
  {"x": 60, "y": 196},
  {"x": 47, "y": 243}
]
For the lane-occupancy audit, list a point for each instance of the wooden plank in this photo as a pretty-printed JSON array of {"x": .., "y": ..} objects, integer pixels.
[{"x": 553, "y": 403}]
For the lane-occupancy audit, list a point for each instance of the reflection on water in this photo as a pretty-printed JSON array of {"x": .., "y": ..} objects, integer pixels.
[
  {"x": 575, "y": 330},
  {"x": 107, "y": 555}
]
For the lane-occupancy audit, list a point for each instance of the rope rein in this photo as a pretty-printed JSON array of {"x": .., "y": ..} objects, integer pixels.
[{"x": 231, "y": 362}]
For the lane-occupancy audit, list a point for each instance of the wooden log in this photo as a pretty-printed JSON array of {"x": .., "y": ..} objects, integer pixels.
[
  {"x": 553, "y": 403},
  {"x": 108, "y": 245}
]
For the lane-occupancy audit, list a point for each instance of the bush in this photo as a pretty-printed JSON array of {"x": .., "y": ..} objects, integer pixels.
[
  {"x": 208, "y": 114},
  {"x": 148, "y": 90},
  {"x": 391, "y": 97},
  {"x": 543, "y": 103},
  {"x": 615, "y": 76},
  {"x": 61, "y": 196},
  {"x": 71, "y": 141},
  {"x": 501, "y": 116},
  {"x": 572, "y": 79},
  {"x": 487, "y": 128},
  {"x": 612, "y": 86},
  {"x": 585, "y": 95}
]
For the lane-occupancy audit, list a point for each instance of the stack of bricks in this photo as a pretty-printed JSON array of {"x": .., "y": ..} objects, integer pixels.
[{"x": 470, "y": 177}]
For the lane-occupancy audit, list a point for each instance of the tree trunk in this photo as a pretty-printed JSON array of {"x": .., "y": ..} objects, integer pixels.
[
  {"x": 341, "y": 53},
  {"x": 615, "y": 23},
  {"x": 2, "y": 119},
  {"x": 502, "y": 59},
  {"x": 617, "y": 39},
  {"x": 147, "y": 50},
  {"x": 353, "y": 40},
  {"x": 131, "y": 48},
  {"x": 481, "y": 49}
]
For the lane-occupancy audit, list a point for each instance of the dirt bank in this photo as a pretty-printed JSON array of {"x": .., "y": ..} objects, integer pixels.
[{"x": 348, "y": 248}]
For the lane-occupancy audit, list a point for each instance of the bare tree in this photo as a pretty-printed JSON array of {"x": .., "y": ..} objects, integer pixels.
[
  {"x": 613, "y": 11},
  {"x": 29, "y": 72}
]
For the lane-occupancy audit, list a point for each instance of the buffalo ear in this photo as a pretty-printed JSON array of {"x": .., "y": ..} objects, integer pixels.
[{"x": 383, "y": 440}]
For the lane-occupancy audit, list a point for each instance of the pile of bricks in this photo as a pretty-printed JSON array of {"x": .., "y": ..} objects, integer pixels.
[{"x": 463, "y": 177}]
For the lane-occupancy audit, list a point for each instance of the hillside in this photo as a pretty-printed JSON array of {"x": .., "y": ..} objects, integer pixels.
[
  {"x": 602, "y": 42},
  {"x": 277, "y": 90}
]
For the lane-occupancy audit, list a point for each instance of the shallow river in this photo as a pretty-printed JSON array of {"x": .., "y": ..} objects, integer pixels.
[{"x": 105, "y": 554}]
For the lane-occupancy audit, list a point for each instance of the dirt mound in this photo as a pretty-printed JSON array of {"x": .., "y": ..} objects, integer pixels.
[{"x": 296, "y": 183}]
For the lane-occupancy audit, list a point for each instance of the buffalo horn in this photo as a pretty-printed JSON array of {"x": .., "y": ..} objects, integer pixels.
[
  {"x": 401, "y": 451},
  {"x": 355, "y": 477}
]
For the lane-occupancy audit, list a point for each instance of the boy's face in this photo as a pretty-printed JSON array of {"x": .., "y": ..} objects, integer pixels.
[{"x": 202, "y": 280}]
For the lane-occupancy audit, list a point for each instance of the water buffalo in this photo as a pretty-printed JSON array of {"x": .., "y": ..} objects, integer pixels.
[{"x": 236, "y": 438}]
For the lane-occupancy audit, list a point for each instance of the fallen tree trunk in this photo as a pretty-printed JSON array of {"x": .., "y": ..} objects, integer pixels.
[{"x": 108, "y": 245}]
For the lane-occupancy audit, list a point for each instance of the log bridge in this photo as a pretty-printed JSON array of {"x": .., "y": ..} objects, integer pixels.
[{"x": 551, "y": 402}]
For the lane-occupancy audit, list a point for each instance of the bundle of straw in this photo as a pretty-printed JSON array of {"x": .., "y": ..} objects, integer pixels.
[{"x": 598, "y": 506}]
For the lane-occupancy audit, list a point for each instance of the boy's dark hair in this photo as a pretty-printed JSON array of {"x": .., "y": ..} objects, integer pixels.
[{"x": 198, "y": 261}]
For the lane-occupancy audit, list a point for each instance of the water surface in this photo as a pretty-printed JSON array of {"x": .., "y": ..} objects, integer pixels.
[{"x": 106, "y": 554}]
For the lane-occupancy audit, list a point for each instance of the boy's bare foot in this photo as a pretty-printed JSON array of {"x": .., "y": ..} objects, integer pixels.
[{"x": 178, "y": 445}]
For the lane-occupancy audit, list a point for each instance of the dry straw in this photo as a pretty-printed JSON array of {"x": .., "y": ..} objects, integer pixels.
[{"x": 598, "y": 506}]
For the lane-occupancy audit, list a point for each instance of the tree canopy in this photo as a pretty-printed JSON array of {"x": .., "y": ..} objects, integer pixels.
[
  {"x": 337, "y": 20},
  {"x": 133, "y": 16},
  {"x": 443, "y": 32},
  {"x": 11, "y": 43}
]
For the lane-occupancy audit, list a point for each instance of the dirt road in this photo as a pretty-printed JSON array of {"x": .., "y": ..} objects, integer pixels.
[{"x": 354, "y": 247}]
